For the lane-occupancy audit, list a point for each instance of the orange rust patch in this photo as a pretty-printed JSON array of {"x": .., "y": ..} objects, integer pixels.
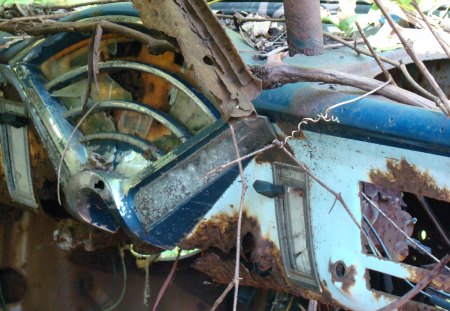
[
  {"x": 347, "y": 280},
  {"x": 404, "y": 176},
  {"x": 221, "y": 270},
  {"x": 43, "y": 175},
  {"x": 220, "y": 232},
  {"x": 441, "y": 281},
  {"x": 275, "y": 155},
  {"x": 218, "y": 237}
]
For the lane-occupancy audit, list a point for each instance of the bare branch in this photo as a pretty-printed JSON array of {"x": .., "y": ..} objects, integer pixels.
[
  {"x": 280, "y": 74},
  {"x": 374, "y": 54},
  {"x": 239, "y": 225},
  {"x": 435, "y": 34},
  {"x": 416, "y": 245},
  {"x": 398, "y": 65},
  {"x": 444, "y": 104},
  {"x": 251, "y": 154},
  {"x": 222, "y": 296},
  {"x": 76, "y": 5},
  {"x": 167, "y": 281},
  {"x": 46, "y": 28},
  {"x": 419, "y": 286},
  {"x": 337, "y": 196}
]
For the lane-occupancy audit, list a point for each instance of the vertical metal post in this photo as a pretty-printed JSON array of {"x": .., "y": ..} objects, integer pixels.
[{"x": 304, "y": 27}]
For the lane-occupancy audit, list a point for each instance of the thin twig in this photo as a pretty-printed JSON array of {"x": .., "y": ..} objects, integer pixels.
[
  {"x": 435, "y": 34},
  {"x": 239, "y": 224},
  {"x": 222, "y": 296},
  {"x": 77, "y": 5},
  {"x": 167, "y": 281},
  {"x": 38, "y": 29},
  {"x": 36, "y": 17},
  {"x": 400, "y": 230},
  {"x": 275, "y": 75},
  {"x": 374, "y": 54},
  {"x": 61, "y": 160},
  {"x": 337, "y": 196},
  {"x": 419, "y": 286},
  {"x": 304, "y": 121},
  {"x": 398, "y": 65},
  {"x": 444, "y": 104},
  {"x": 93, "y": 59},
  {"x": 251, "y": 154}
]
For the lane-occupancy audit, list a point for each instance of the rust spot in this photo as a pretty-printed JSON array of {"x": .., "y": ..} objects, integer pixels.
[
  {"x": 391, "y": 203},
  {"x": 275, "y": 155},
  {"x": 343, "y": 274},
  {"x": 376, "y": 295},
  {"x": 409, "y": 306},
  {"x": 221, "y": 270},
  {"x": 43, "y": 175},
  {"x": 441, "y": 281},
  {"x": 404, "y": 176},
  {"x": 217, "y": 237}
]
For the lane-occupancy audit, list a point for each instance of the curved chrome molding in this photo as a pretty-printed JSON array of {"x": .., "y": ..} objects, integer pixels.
[
  {"x": 179, "y": 130},
  {"x": 79, "y": 73},
  {"x": 124, "y": 138}
]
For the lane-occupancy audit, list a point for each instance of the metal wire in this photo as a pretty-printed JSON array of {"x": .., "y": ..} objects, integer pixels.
[
  {"x": 401, "y": 231},
  {"x": 124, "y": 286},
  {"x": 324, "y": 116},
  {"x": 377, "y": 236}
]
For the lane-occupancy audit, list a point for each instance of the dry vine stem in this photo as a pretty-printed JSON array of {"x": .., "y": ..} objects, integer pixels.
[
  {"x": 239, "y": 225},
  {"x": 279, "y": 74},
  {"x": 444, "y": 104},
  {"x": 419, "y": 286},
  {"x": 435, "y": 34},
  {"x": 167, "y": 281},
  {"x": 374, "y": 54},
  {"x": 399, "y": 65},
  {"x": 46, "y": 28},
  {"x": 338, "y": 197},
  {"x": 94, "y": 56}
]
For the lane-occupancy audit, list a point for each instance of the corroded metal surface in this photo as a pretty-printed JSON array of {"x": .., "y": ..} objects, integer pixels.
[
  {"x": 391, "y": 203},
  {"x": 221, "y": 270},
  {"x": 304, "y": 27},
  {"x": 441, "y": 281},
  {"x": 342, "y": 274},
  {"x": 258, "y": 251},
  {"x": 220, "y": 232},
  {"x": 405, "y": 176},
  {"x": 219, "y": 72}
]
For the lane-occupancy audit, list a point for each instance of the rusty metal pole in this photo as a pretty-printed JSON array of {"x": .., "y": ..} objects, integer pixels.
[{"x": 304, "y": 27}]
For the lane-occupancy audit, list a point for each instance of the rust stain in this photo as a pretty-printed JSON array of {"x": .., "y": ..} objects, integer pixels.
[
  {"x": 441, "y": 281},
  {"x": 220, "y": 232},
  {"x": 391, "y": 203},
  {"x": 409, "y": 306},
  {"x": 217, "y": 237},
  {"x": 275, "y": 155},
  {"x": 221, "y": 270},
  {"x": 43, "y": 174},
  {"x": 347, "y": 280},
  {"x": 404, "y": 176}
]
